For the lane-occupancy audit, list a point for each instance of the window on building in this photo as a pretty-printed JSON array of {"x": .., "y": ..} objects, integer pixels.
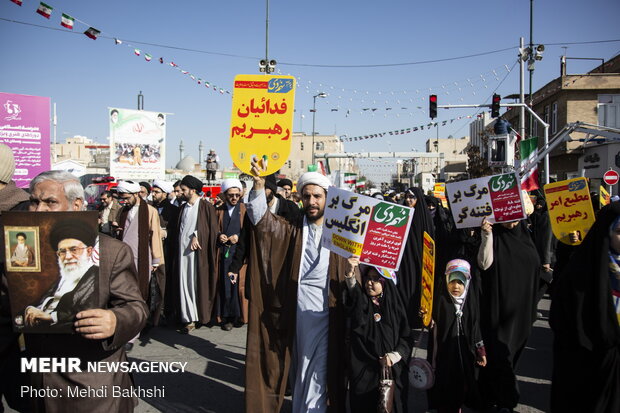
[
  {"x": 301, "y": 163},
  {"x": 301, "y": 144},
  {"x": 554, "y": 117},
  {"x": 289, "y": 163},
  {"x": 319, "y": 146},
  {"x": 546, "y": 114},
  {"x": 609, "y": 110},
  {"x": 535, "y": 128}
]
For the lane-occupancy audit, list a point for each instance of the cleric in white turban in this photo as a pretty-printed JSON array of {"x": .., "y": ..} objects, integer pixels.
[
  {"x": 231, "y": 183},
  {"x": 313, "y": 178},
  {"x": 165, "y": 186},
  {"x": 128, "y": 187}
]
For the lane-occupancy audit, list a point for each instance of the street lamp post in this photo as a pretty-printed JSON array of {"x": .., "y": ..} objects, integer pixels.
[{"x": 318, "y": 95}]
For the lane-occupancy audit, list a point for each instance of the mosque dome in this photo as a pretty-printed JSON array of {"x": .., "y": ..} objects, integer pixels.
[{"x": 186, "y": 164}]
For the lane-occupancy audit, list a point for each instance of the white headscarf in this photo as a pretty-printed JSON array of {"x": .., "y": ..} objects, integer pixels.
[{"x": 313, "y": 178}]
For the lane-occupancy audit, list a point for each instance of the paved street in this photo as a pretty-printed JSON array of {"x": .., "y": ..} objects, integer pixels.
[{"x": 214, "y": 379}]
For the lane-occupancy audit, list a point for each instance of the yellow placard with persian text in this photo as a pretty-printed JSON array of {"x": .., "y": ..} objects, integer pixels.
[
  {"x": 570, "y": 208},
  {"x": 428, "y": 278},
  {"x": 262, "y": 121}
]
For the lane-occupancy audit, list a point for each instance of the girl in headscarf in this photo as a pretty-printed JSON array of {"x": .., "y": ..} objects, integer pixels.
[
  {"x": 509, "y": 284},
  {"x": 458, "y": 341},
  {"x": 585, "y": 317},
  {"x": 380, "y": 335}
]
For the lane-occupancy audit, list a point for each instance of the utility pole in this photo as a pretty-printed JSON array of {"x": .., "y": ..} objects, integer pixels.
[
  {"x": 140, "y": 101},
  {"x": 530, "y": 66},
  {"x": 521, "y": 88}
]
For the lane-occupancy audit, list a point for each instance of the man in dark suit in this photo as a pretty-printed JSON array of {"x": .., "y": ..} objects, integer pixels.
[
  {"x": 75, "y": 288},
  {"x": 101, "y": 332}
]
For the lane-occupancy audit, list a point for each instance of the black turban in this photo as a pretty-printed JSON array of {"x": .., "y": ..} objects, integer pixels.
[
  {"x": 147, "y": 186},
  {"x": 192, "y": 183},
  {"x": 283, "y": 182},
  {"x": 75, "y": 229},
  {"x": 270, "y": 183}
]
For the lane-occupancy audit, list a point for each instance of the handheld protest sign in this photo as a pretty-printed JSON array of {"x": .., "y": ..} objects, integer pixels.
[
  {"x": 570, "y": 208},
  {"x": 355, "y": 224},
  {"x": 497, "y": 198},
  {"x": 262, "y": 121},
  {"x": 428, "y": 278}
]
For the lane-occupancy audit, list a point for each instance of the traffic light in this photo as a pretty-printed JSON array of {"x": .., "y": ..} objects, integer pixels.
[
  {"x": 432, "y": 106},
  {"x": 495, "y": 105}
]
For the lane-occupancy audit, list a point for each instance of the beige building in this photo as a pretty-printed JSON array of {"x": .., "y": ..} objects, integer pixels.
[
  {"x": 82, "y": 150},
  {"x": 301, "y": 155},
  {"x": 593, "y": 98}
]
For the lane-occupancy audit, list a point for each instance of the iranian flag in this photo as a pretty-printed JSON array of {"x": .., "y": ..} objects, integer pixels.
[
  {"x": 45, "y": 10},
  {"x": 529, "y": 151},
  {"x": 18, "y": 2},
  {"x": 350, "y": 178},
  {"x": 147, "y": 57},
  {"x": 92, "y": 33},
  {"x": 360, "y": 183},
  {"x": 67, "y": 21},
  {"x": 136, "y": 52}
]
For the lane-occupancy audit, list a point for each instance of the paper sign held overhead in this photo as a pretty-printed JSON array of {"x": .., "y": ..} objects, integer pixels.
[
  {"x": 497, "y": 198},
  {"x": 374, "y": 230},
  {"x": 570, "y": 208},
  {"x": 262, "y": 121}
]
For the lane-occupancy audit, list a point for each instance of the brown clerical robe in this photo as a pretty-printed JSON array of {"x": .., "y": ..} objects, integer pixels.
[{"x": 273, "y": 266}]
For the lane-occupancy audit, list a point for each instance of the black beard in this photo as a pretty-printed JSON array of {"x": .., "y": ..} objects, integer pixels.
[
  {"x": 270, "y": 198},
  {"x": 313, "y": 219}
]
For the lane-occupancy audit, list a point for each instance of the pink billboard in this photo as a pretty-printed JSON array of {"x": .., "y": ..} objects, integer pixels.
[{"x": 25, "y": 127}]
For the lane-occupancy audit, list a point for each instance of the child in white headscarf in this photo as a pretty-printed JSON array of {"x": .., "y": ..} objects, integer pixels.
[{"x": 458, "y": 340}]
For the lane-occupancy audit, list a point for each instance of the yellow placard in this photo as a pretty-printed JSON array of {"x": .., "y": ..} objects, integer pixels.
[
  {"x": 570, "y": 208},
  {"x": 428, "y": 278},
  {"x": 262, "y": 121},
  {"x": 604, "y": 197}
]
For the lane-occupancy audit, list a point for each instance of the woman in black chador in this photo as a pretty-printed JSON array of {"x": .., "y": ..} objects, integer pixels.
[
  {"x": 509, "y": 285},
  {"x": 585, "y": 317},
  {"x": 380, "y": 335}
]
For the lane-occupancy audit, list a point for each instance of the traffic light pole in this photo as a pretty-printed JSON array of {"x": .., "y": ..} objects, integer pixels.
[{"x": 512, "y": 105}]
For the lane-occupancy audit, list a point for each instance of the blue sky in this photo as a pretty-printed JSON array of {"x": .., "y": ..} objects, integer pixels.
[{"x": 84, "y": 77}]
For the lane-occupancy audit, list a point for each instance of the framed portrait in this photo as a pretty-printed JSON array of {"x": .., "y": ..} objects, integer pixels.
[{"x": 22, "y": 249}]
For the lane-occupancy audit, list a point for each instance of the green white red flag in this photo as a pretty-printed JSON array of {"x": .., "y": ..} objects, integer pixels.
[
  {"x": 45, "y": 10},
  {"x": 92, "y": 33},
  {"x": 350, "y": 178},
  {"x": 18, "y": 2},
  {"x": 67, "y": 21},
  {"x": 360, "y": 184},
  {"x": 529, "y": 151},
  {"x": 136, "y": 52},
  {"x": 147, "y": 57}
]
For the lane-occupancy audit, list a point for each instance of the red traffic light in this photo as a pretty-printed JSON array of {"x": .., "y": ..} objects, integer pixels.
[
  {"x": 433, "y": 98},
  {"x": 432, "y": 106},
  {"x": 495, "y": 105}
]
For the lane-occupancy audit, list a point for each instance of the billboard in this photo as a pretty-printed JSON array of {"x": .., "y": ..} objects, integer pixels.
[
  {"x": 25, "y": 127},
  {"x": 137, "y": 144}
]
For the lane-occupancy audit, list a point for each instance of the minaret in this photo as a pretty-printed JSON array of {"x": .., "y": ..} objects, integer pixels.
[
  {"x": 201, "y": 149},
  {"x": 181, "y": 147}
]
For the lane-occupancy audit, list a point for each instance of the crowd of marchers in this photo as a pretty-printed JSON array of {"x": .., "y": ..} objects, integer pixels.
[{"x": 323, "y": 327}]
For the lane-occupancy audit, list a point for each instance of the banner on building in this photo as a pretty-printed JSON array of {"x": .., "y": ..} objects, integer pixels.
[
  {"x": 137, "y": 144},
  {"x": 374, "y": 230},
  {"x": 25, "y": 128},
  {"x": 570, "y": 209},
  {"x": 262, "y": 121},
  {"x": 497, "y": 198},
  {"x": 428, "y": 278}
]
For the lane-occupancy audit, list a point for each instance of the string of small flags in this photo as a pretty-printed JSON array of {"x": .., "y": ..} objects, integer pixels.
[
  {"x": 430, "y": 125},
  {"x": 67, "y": 21}
]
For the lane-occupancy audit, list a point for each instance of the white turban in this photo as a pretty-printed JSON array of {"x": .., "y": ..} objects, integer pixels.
[
  {"x": 313, "y": 178},
  {"x": 231, "y": 183},
  {"x": 165, "y": 186},
  {"x": 128, "y": 187}
]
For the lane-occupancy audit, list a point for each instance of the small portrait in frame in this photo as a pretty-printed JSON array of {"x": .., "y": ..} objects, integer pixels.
[{"x": 22, "y": 249}]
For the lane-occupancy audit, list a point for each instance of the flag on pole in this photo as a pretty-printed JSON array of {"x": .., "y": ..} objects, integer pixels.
[
  {"x": 529, "y": 151},
  {"x": 45, "y": 10},
  {"x": 350, "y": 178},
  {"x": 92, "y": 33},
  {"x": 147, "y": 57},
  {"x": 67, "y": 21},
  {"x": 136, "y": 52},
  {"x": 361, "y": 183},
  {"x": 18, "y": 2}
]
